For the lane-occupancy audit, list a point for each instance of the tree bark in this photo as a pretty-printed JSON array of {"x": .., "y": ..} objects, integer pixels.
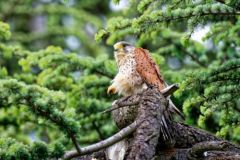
[
  {"x": 158, "y": 137},
  {"x": 153, "y": 122}
]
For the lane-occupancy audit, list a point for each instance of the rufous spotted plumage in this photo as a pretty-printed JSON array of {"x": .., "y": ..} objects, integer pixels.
[{"x": 136, "y": 72}]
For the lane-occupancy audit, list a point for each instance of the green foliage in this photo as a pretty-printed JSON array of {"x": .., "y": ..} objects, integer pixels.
[
  {"x": 116, "y": 1},
  {"x": 117, "y": 28},
  {"x": 216, "y": 97},
  {"x": 57, "y": 150},
  {"x": 41, "y": 101},
  {"x": 210, "y": 93},
  {"x": 39, "y": 151},
  {"x": 35, "y": 25},
  {"x": 4, "y": 31},
  {"x": 53, "y": 89},
  {"x": 11, "y": 149}
]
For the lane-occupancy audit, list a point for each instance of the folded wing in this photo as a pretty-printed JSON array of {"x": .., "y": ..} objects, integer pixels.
[
  {"x": 150, "y": 73},
  {"x": 147, "y": 68}
]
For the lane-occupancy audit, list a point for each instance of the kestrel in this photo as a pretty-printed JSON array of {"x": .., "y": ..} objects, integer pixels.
[{"x": 136, "y": 72}]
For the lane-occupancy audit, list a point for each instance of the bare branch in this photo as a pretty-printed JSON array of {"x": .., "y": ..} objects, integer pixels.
[
  {"x": 169, "y": 90},
  {"x": 118, "y": 136},
  {"x": 223, "y": 148},
  {"x": 73, "y": 138},
  {"x": 105, "y": 143}
]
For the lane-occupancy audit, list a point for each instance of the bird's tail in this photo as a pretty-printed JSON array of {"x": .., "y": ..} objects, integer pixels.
[{"x": 174, "y": 109}]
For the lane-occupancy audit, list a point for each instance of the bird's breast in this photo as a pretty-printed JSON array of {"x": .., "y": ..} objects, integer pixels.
[
  {"x": 128, "y": 68},
  {"x": 128, "y": 79}
]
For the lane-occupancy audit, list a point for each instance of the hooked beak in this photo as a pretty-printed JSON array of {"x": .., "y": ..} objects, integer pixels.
[
  {"x": 120, "y": 46},
  {"x": 117, "y": 47}
]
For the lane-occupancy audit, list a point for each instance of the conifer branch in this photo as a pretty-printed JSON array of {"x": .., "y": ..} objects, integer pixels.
[
  {"x": 190, "y": 16},
  {"x": 221, "y": 1},
  {"x": 41, "y": 103}
]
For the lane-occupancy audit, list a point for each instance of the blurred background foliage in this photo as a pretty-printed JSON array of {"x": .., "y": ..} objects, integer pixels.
[{"x": 56, "y": 62}]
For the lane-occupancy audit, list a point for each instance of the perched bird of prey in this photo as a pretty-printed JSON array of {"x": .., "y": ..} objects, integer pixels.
[{"x": 136, "y": 72}]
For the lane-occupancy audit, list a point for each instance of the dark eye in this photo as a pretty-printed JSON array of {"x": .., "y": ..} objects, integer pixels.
[{"x": 126, "y": 45}]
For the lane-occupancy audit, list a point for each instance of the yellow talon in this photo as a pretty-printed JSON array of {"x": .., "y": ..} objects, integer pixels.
[{"x": 111, "y": 90}]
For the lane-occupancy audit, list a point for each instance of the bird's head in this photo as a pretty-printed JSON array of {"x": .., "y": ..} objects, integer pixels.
[{"x": 123, "y": 48}]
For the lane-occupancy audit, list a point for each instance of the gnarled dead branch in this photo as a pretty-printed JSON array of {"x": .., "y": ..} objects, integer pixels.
[{"x": 155, "y": 135}]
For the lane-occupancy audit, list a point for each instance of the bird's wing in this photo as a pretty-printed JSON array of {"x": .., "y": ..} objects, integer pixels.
[
  {"x": 147, "y": 68},
  {"x": 150, "y": 73}
]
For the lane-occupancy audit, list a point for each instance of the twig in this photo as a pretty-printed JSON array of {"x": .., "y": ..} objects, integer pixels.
[
  {"x": 73, "y": 138},
  {"x": 97, "y": 130},
  {"x": 118, "y": 136},
  {"x": 169, "y": 90},
  {"x": 194, "y": 58},
  {"x": 221, "y": 1}
]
